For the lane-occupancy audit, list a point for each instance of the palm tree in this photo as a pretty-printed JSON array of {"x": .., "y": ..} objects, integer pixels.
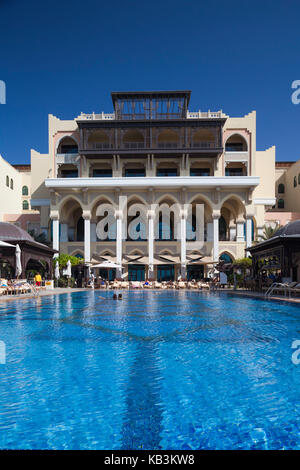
[
  {"x": 41, "y": 237},
  {"x": 270, "y": 231}
]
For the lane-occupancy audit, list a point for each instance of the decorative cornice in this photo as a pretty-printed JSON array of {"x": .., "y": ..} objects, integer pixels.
[{"x": 156, "y": 181}]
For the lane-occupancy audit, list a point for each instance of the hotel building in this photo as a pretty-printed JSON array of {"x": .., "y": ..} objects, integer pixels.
[
  {"x": 153, "y": 150},
  {"x": 15, "y": 190}
]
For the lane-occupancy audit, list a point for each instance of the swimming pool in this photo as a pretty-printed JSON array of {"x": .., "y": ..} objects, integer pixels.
[{"x": 157, "y": 370}]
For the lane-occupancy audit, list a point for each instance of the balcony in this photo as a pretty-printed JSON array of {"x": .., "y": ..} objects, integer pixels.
[
  {"x": 142, "y": 116},
  {"x": 236, "y": 157},
  {"x": 67, "y": 158}
]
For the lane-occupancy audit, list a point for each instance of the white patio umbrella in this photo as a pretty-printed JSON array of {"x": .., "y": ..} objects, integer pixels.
[
  {"x": 6, "y": 244},
  {"x": 69, "y": 270},
  {"x": 56, "y": 273},
  {"x": 18, "y": 261},
  {"x": 106, "y": 265}
]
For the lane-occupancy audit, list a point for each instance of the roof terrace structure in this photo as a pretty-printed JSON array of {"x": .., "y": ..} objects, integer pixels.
[{"x": 157, "y": 122}]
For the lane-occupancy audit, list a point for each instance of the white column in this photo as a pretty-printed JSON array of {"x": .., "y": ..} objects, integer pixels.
[
  {"x": 151, "y": 244},
  {"x": 119, "y": 242},
  {"x": 248, "y": 232},
  {"x": 54, "y": 216},
  {"x": 183, "y": 243},
  {"x": 216, "y": 236},
  {"x": 240, "y": 230},
  {"x": 87, "y": 236}
]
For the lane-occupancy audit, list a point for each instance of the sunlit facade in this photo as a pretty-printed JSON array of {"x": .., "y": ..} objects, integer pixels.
[{"x": 153, "y": 150}]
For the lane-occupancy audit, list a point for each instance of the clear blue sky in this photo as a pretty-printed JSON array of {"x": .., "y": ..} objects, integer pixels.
[{"x": 64, "y": 57}]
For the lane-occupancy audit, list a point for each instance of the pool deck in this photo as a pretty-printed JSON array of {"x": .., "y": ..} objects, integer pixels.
[
  {"x": 260, "y": 295},
  {"x": 69, "y": 290},
  {"x": 43, "y": 293}
]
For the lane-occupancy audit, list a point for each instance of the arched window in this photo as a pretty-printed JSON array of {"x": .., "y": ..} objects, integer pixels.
[
  {"x": 7, "y": 181},
  {"x": 80, "y": 230},
  {"x": 25, "y": 191},
  {"x": 281, "y": 188},
  {"x": 222, "y": 229},
  {"x": 25, "y": 205},
  {"x": 280, "y": 204},
  {"x": 11, "y": 184},
  {"x": 295, "y": 181},
  {"x": 67, "y": 145},
  {"x": 225, "y": 257},
  {"x": 236, "y": 143}
]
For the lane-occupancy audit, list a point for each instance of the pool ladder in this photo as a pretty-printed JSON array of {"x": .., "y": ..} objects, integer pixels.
[{"x": 274, "y": 286}]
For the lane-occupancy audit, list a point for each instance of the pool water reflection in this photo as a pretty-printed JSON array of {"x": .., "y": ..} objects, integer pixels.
[{"x": 157, "y": 370}]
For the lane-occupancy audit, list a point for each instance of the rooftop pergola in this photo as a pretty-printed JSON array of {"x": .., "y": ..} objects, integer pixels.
[{"x": 159, "y": 105}]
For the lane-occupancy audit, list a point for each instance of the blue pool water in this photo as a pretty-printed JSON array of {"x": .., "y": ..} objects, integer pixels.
[{"x": 157, "y": 370}]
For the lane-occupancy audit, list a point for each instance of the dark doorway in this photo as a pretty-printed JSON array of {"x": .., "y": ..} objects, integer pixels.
[
  {"x": 195, "y": 272},
  {"x": 165, "y": 272},
  {"x": 136, "y": 272}
]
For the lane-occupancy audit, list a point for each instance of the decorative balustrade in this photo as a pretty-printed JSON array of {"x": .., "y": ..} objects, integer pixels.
[
  {"x": 70, "y": 158},
  {"x": 204, "y": 115},
  {"x": 236, "y": 156},
  {"x": 142, "y": 116},
  {"x": 96, "y": 117}
]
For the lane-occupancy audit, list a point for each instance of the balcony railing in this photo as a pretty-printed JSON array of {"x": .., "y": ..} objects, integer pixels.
[
  {"x": 168, "y": 145},
  {"x": 236, "y": 156},
  {"x": 144, "y": 116},
  {"x": 204, "y": 115},
  {"x": 134, "y": 145},
  {"x": 204, "y": 145},
  {"x": 70, "y": 158}
]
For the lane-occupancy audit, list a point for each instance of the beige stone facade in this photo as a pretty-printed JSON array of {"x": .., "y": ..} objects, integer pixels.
[
  {"x": 287, "y": 193},
  {"x": 15, "y": 190},
  {"x": 162, "y": 158}
]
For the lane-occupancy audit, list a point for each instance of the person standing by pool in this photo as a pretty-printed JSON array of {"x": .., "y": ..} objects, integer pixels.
[{"x": 38, "y": 279}]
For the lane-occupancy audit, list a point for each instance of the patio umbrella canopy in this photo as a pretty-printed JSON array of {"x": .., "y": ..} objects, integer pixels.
[
  {"x": 106, "y": 265},
  {"x": 6, "y": 244},
  {"x": 57, "y": 275},
  {"x": 18, "y": 261},
  {"x": 69, "y": 269}
]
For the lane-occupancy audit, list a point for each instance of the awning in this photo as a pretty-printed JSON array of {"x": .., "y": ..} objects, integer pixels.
[
  {"x": 204, "y": 260},
  {"x": 194, "y": 256},
  {"x": 171, "y": 258},
  {"x": 131, "y": 259},
  {"x": 106, "y": 265},
  {"x": 96, "y": 258}
]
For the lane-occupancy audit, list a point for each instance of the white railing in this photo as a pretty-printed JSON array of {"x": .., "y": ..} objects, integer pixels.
[
  {"x": 111, "y": 117},
  {"x": 70, "y": 158},
  {"x": 236, "y": 156},
  {"x": 96, "y": 117},
  {"x": 204, "y": 115},
  {"x": 278, "y": 286}
]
